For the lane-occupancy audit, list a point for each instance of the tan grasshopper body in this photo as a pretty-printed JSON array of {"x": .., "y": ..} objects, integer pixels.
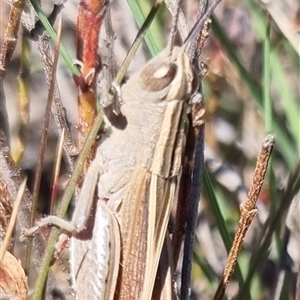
[{"x": 137, "y": 171}]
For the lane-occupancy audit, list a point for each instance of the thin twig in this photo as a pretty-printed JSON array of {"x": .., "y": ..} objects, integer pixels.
[
  {"x": 40, "y": 161},
  {"x": 182, "y": 26},
  {"x": 192, "y": 38},
  {"x": 174, "y": 26},
  {"x": 57, "y": 108},
  {"x": 192, "y": 211},
  {"x": 38, "y": 26},
  {"x": 58, "y": 111}
]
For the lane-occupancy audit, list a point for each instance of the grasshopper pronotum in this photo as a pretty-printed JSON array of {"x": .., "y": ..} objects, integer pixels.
[{"x": 120, "y": 237}]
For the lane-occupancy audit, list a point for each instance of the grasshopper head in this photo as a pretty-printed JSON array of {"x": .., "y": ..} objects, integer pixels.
[{"x": 174, "y": 76}]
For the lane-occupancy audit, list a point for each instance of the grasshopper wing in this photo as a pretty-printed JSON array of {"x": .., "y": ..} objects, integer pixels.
[{"x": 152, "y": 190}]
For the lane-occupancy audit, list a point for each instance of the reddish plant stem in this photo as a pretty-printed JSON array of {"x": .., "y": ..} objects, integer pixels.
[{"x": 91, "y": 14}]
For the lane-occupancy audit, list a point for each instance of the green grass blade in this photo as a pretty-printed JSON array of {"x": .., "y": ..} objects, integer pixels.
[
  {"x": 289, "y": 100},
  {"x": 62, "y": 50},
  {"x": 267, "y": 108},
  {"x": 154, "y": 37}
]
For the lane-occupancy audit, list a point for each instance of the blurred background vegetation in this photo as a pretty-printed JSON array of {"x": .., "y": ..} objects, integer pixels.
[{"x": 251, "y": 89}]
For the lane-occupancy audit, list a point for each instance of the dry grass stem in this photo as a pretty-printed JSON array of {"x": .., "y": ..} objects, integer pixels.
[
  {"x": 12, "y": 221},
  {"x": 58, "y": 111},
  {"x": 58, "y": 161}
]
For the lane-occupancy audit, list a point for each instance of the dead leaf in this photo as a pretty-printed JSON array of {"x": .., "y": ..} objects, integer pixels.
[{"x": 13, "y": 281}]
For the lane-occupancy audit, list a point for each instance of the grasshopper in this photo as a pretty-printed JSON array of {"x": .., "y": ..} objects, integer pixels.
[
  {"x": 120, "y": 235},
  {"x": 137, "y": 171}
]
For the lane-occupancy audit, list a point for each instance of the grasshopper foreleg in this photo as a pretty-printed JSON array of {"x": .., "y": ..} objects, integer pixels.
[
  {"x": 95, "y": 248},
  {"x": 82, "y": 211}
]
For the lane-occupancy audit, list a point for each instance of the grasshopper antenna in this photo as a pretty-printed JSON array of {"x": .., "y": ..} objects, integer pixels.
[
  {"x": 174, "y": 28},
  {"x": 193, "y": 36}
]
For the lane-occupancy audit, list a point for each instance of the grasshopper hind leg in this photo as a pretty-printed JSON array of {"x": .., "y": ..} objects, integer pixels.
[
  {"x": 95, "y": 246},
  {"x": 95, "y": 256}
]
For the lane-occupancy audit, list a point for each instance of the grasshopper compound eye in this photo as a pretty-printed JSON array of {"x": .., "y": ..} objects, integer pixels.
[{"x": 157, "y": 76}]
